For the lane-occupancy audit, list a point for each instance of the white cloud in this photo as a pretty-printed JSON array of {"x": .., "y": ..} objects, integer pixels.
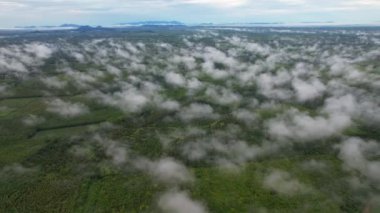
[
  {"x": 209, "y": 68},
  {"x": 301, "y": 126},
  {"x": 166, "y": 170},
  {"x": 39, "y": 50},
  {"x": 272, "y": 86},
  {"x": 222, "y": 148},
  {"x": 21, "y": 57},
  {"x": 222, "y": 95},
  {"x": 82, "y": 80},
  {"x": 170, "y": 105},
  {"x": 65, "y": 108},
  {"x": 113, "y": 70},
  {"x": 308, "y": 90},
  {"x": 345, "y": 104},
  {"x": 113, "y": 149},
  {"x": 245, "y": 115},
  {"x": 218, "y": 3},
  {"x": 130, "y": 98},
  {"x": 33, "y": 120},
  {"x": 179, "y": 202},
  {"x": 197, "y": 111},
  {"x": 3, "y": 89},
  {"x": 188, "y": 61},
  {"x": 194, "y": 83},
  {"x": 295, "y": 2},
  {"x": 75, "y": 10},
  {"x": 283, "y": 183},
  {"x": 249, "y": 46},
  {"x": 175, "y": 79},
  {"x": 54, "y": 82},
  {"x": 355, "y": 153}
]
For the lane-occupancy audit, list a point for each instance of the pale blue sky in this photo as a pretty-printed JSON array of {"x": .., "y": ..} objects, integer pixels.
[{"x": 93, "y": 12}]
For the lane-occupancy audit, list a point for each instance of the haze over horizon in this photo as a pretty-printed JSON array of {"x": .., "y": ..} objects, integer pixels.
[
  {"x": 97, "y": 12},
  {"x": 190, "y": 106}
]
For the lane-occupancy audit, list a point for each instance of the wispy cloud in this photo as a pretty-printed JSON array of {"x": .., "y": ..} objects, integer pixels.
[{"x": 91, "y": 11}]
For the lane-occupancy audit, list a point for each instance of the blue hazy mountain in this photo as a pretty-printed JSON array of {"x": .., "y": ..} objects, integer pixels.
[
  {"x": 70, "y": 25},
  {"x": 153, "y": 23},
  {"x": 50, "y": 26}
]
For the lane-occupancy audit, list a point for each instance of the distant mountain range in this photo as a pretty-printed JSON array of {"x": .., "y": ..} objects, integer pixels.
[
  {"x": 87, "y": 27},
  {"x": 178, "y": 24},
  {"x": 71, "y": 26},
  {"x": 153, "y": 23}
]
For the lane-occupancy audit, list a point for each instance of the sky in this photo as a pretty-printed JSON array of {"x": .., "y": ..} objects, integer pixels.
[{"x": 110, "y": 12}]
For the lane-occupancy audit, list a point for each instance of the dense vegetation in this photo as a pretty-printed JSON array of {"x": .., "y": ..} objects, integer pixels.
[{"x": 160, "y": 119}]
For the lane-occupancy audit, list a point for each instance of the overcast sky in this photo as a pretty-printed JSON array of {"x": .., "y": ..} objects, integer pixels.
[{"x": 108, "y": 12}]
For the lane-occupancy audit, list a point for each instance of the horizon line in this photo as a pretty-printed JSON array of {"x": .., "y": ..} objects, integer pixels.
[{"x": 166, "y": 22}]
